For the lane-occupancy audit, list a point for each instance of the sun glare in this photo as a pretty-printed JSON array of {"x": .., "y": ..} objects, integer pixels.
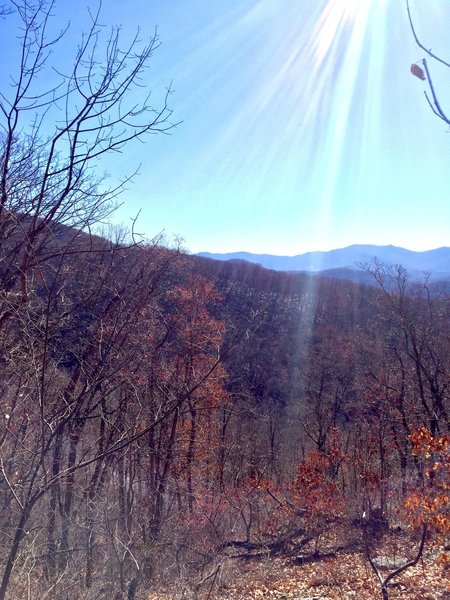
[
  {"x": 309, "y": 96},
  {"x": 336, "y": 18},
  {"x": 342, "y": 34},
  {"x": 343, "y": 29}
]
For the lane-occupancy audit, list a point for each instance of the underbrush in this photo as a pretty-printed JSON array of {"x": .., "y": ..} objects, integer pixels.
[{"x": 339, "y": 575}]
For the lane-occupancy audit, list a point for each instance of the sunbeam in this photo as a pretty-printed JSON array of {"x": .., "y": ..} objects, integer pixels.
[
  {"x": 304, "y": 99},
  {"x": 300, "y": 118},
  {"x": 346, "y": 34}
]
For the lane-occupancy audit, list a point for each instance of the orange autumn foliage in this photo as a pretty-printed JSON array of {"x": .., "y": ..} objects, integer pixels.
[
  {"x": 431, "y": 504},
  {"x": 315, "y": 488}
]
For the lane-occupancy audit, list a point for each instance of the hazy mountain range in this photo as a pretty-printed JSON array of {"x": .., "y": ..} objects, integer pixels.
[{"x": 345, "y": 263}]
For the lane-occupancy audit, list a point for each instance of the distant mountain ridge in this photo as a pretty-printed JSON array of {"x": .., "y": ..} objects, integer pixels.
[{"x": 344, "y": 262}]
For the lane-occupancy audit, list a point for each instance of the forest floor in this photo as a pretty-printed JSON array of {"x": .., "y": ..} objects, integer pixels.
[{"x": 344, "y": 576}]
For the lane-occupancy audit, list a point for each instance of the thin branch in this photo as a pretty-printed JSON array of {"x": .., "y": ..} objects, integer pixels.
[
  {"x": 10, "y": 486},
  {"x": 419, "y": 43},
  {"x": 437, "y": 107},
  {"x": 384, "y": 581},
  {"x": 412, "y": 562}
]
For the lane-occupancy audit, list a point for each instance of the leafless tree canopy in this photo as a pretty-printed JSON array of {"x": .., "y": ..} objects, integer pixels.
[
  {"x": 59, "y": 284},
  {"x": 52, "y": 139}
]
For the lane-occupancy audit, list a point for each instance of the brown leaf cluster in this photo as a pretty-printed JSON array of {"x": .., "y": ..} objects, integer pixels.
[{"x": 345, "y": 576}]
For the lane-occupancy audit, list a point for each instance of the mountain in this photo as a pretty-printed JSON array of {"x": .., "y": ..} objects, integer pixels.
[{"x": 344, "y": 263}]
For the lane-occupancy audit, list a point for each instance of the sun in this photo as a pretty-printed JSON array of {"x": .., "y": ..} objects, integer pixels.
[{"x": 338, "y": 18}]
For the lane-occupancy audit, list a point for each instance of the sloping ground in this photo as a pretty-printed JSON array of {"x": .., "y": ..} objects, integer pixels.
[{"x": 345, "y": 576}]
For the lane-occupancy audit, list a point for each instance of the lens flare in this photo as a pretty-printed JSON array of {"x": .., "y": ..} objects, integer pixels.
[{"x": 302, "y": 96}]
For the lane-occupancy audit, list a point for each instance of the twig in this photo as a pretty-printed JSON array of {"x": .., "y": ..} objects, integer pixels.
[
  {"x": 419, "y": 43},
  {"x": 438, "y": 110}
]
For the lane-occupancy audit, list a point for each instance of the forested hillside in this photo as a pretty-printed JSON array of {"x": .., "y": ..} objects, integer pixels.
[{"x": 162, "y": 412}]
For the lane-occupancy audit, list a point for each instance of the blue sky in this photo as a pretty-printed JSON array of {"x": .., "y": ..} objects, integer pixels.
[{"x": 301, "y": 126}]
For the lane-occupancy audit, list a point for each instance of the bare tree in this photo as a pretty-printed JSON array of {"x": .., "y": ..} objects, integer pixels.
[
  {"x": 52, "y": 138},
  {"x": 433, "y": 101},
  {"x": 385, "y": 580},
  {"x": 419, "y": 331},
  {"x": 65, "y": 325}
]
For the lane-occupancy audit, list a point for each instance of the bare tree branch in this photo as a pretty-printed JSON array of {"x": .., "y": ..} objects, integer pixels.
[{"x": 434, "y": 103}]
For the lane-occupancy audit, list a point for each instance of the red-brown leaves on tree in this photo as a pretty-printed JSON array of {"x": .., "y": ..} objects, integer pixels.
[
  {"x": 315, "y": 489},
  {"x": 418, "y": 71},
  {"x": 432, "y": 503}
]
